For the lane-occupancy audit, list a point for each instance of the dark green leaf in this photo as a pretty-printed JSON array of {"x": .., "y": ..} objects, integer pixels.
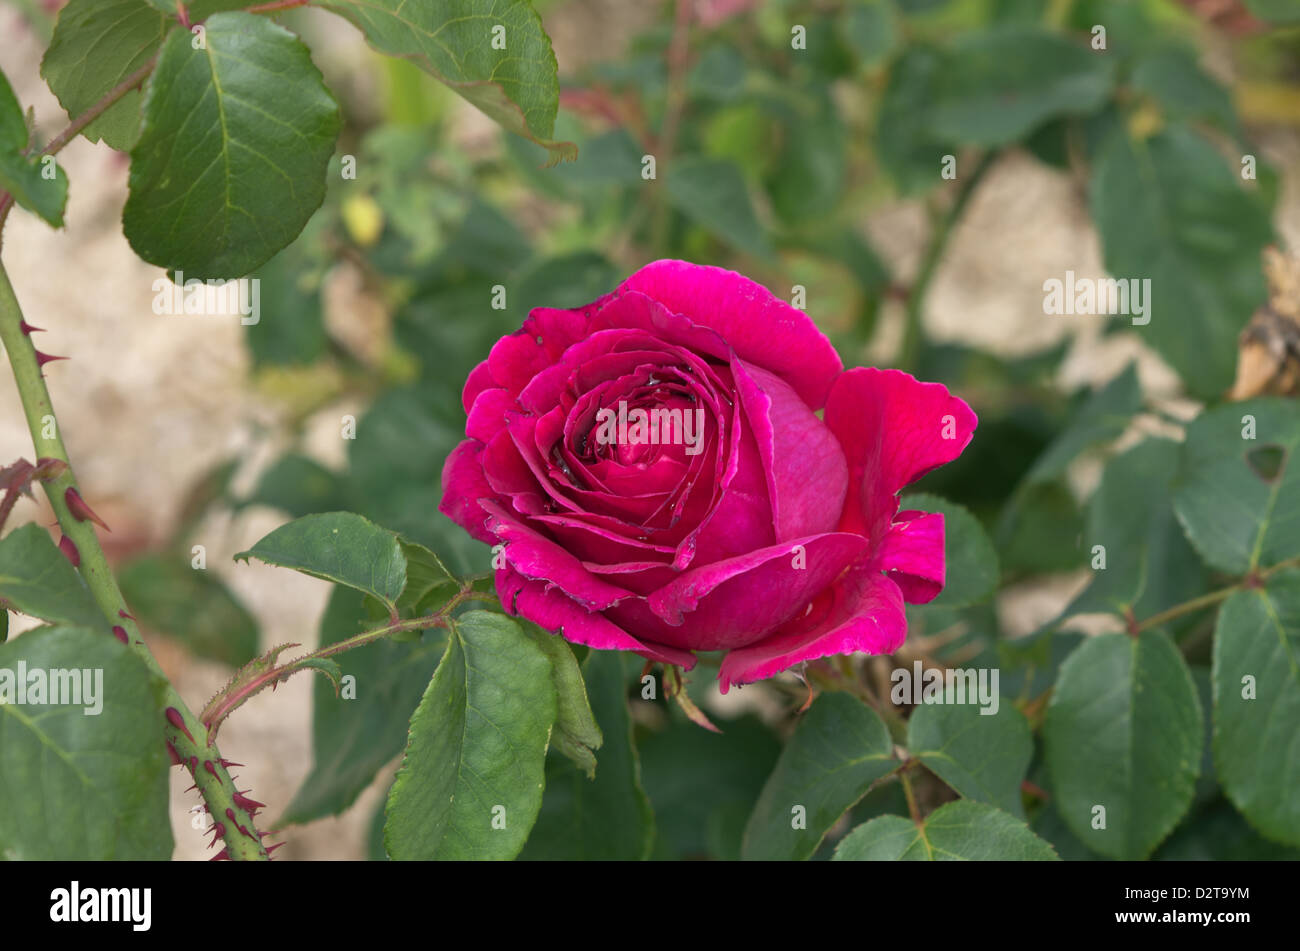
[
  {"x": 169, "y": 596},
  {"x": 36, "y": 579},
  {"x": 712, "y": 193},
  {"x": 357, "y": 730},
  {"x": 1256, "y": 678},
  {"x": 981, "y": 755},
  {"x": 958, "y": 831},
  {"x": 96, "y": 45},
  {"x": 1103, "y": 418},
  {"x": 1170, "y": 211},
  {"x": 471, "y": 781},
  {"x": 609, "y": 817},
  {"x": 1124, "y": 733},
  {"x": 42, "y": 192},
  {"x": 576, "y": 734},
  {"x": 998, "y": 85},
  {"x": 453, "y": 41},
  {"x": 340, "y": 547},
  {"x": 1236, "y": 516},
  {"x": 83, "y": 781},
  {"x": 838, "y": 750},
  {"x": 235, "y": 139}
]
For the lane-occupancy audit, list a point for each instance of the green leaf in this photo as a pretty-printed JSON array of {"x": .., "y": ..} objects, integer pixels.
[
  {"x": 471, "y": 781},
  {"x": 357, "y": 730},
  {"x": 13, "y": 124},
  {"x": 904, "y": 141},
  {"x": 299, "y": 486},
  {"x": 609, "y": 817},
  {"x": 870, "y": 30},
  {"x": 1148, "y": 564},
  {"x": 970, "y": 559},
  {"x": 1124, "y": 731},
  {"x": 235, "y": 140},
  {"x": 982, "y": 756},
  {"x": 838, "y": 750},
  {"x": 1256, "y": 679},
  {"x": 340, "y": 547},
  {"x": 712, "y": 193},
  {"x": 454, "y": 42},
  {"x": 36, "y": 579},
  {"x": 1275, "y": 11},
  {"x": 1102, "y": 419},
  {"x": 1237, "y": 512},
  {"x": 429, "y": 584},
  {"x": 291, "y": 328},
  {"x": 680, "y": 760},
  {"x": 576, "y": 734},
  {"x": 190, "y": 604},
  {"x": 958, "y": 831},
  {"x": 27, "y": 181},
  {"x": 1171, "y": 76},
  {"x": 82, "y": 781},
  {"x": 1171, "y": 211},
  {"x": 96, "y": 45},
  {"x": 998, "y": 85}
]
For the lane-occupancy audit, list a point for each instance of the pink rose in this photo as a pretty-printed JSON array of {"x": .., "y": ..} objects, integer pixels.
[{"x": 736, "y": 519}]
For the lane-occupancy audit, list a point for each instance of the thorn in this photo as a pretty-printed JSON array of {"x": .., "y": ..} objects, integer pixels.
[
  {"x": 171, "y": 751},
  {"x": 227, "y": 763},
  {"x": 175, "y": 719},
  {"x": 129, "y": 617},
  {"x": 193, "y": 764},
  {"x": 192, "y": 788},
  {"x": 44, "y": 358},
  {"x": 28, "y": 329},
  {"x": 120, "y": 634},
  {"x": 222, "y": 856},
  {"x": 80, "y": 510},
  {"x": 69, "y": 549},
  {"x": 250, "y": 806},
  {"x": 212, "y": 770},
  {"x": 272, "y": 848}
]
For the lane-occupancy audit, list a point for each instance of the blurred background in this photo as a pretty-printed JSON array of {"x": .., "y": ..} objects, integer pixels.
[{"x": 795, "y": 165}]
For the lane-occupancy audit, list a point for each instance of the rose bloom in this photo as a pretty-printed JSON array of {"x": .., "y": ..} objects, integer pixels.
[{"x": 764, "y": 531}]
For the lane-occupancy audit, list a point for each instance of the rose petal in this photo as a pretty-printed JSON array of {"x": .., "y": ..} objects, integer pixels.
[
  {"x": 558, "y": 614},
  {"x": 806, "y": 472},
  {"x": 463, "y": 485},
  {"x": 865, "y": 615},
  {"x": 538, "y": 558},
  {"x": 893, "y": 430},
  {"x": 761, "y": 328},
  {"x": 913, "y": 554}
]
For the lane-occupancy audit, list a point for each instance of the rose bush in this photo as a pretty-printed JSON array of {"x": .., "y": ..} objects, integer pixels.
[{"x": 772, "y": 534}]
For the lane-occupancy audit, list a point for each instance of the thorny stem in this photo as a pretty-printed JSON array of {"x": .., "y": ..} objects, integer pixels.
[
  {"x": 185, "y": 734},
  {"x": 237, "y": 694},
  {"x": 913, "y": 333}
]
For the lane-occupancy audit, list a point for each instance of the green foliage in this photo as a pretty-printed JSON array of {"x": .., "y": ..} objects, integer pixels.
[
  {"x": 959, "y": 831},
  {"x": 86, "y": 776}
]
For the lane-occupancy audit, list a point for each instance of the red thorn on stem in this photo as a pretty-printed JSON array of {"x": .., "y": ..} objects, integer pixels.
[
  {"x": 192, "y": 788},
  {"x": 129, "y": 617},
  {"x": 212, "y": 770},
  {"x": 44, "y": 358},
  {"x": 171, "y": 750},
  {"x": 222, "y": 856},
  {"x": 28, "y": 329},
  {"x": 120, "y": 633},
  {"x": 272, "y": 848},
  {"x": 193, "y": 764},
  {"x": 250, "y": 806},
  {"x": 69, "y": 549},
  {"x": 81, "y": 511},
  {"x": 175, "y": 719},
  {"x": 230, "y": 814},
  {"x": 227, "y": 763}
]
